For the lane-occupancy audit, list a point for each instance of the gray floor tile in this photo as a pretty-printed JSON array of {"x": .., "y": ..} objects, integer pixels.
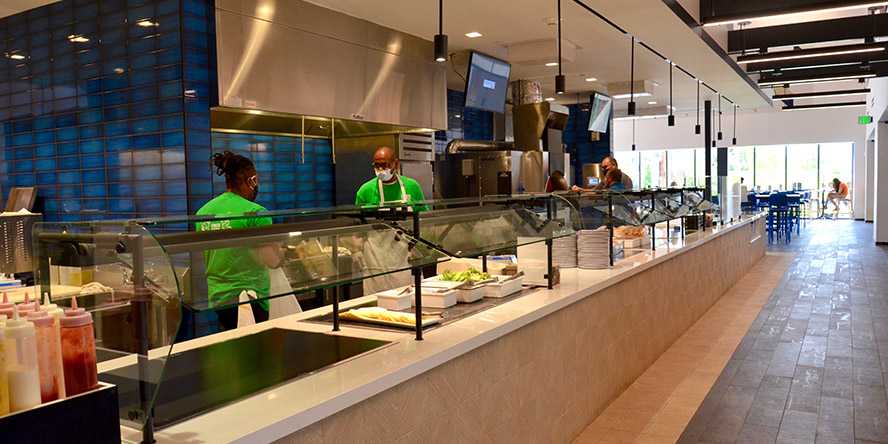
[{"x": 813, "y": 367}]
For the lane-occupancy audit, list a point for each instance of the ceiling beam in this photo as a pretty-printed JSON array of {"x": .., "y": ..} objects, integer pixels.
[
  {"x": 875, "y": 69},
  {"x": 716, "y": 12},
  {"x": 849, "y": 28},
  {"x": 813, "y": 62}
]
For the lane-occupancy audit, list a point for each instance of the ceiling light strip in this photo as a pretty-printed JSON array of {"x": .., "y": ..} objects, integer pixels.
[
  {"x": 820, "y": 94},
  {"x": 779, "y": 58},
  {"x": 825, "y": 105},
  {"x": 815, "y": 79},
  {"x": 861, "y": 5}
]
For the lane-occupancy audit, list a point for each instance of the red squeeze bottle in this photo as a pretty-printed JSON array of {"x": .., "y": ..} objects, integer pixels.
[{"x": 78, "y": 351}]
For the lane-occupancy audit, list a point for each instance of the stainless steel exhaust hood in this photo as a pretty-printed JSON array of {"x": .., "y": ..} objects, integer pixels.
[{"x": 291, "y": 56}]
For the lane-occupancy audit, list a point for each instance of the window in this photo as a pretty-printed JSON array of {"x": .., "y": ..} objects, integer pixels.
[
  {"x": 700, "y": 163},
  {"x": 836, "y": 161},
  {"x": 653, "y": 169},
  {"x": 770, "y": 167},
  {"x": 801, "y": 166},
  {"x": 628, "y": 162},
  {"x": 681, "y": 167},
  {"x": 740, "y": 164}
]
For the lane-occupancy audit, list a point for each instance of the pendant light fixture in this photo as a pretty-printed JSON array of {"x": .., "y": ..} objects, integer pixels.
[
  {"x": 720, "y": 136},
  {"x": 631, "y": 107},
  {"x": 734, "y": 141},
  {"x": 559, "y": 79},
  {"x": 440, "y": 38},
  {"x": 697, "y": 127},
  {"x": 670, "y": 121}
]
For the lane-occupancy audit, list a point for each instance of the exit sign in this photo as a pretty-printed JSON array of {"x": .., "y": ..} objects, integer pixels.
[{"x": 864, "y": 120}]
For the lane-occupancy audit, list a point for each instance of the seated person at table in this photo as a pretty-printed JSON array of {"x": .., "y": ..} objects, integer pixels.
[
  {"x": 613, "y": 180},
  {"x": 556, "y": 182},
  {"x": 840, "y": 191}
]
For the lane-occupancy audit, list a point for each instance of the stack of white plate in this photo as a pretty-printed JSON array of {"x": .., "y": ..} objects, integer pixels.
[
  {"x": 564, "y": 251},
  {"x": 592, "y": 249}
]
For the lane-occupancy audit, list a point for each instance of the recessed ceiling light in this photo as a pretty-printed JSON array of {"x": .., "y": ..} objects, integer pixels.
[
  {"x": 552, "y": 64},
  {"x": 473, "y": 34},
  {"x": 77, "y": 38},
  {"x": 652, "y": 102},
  {"x": 627, "y": 95},
  {"x": 146, "y": 23},
  {"x": 550, "y": 99},
  {"x": 119, "y": 70},
  {"x": 591, "y": 79},
  {"x": 457, "y": 116}
]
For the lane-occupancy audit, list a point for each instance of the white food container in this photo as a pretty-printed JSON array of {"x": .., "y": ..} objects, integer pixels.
[
  {"x": 470, "y": 294},
  {"x": 502, "y": 287},
  {"x": 394, "y": 299},
  {"x": 434, "y": 299}
]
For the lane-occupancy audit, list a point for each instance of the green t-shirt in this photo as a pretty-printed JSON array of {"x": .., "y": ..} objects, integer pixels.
[
  {"x": 232, "y": 270},
  {"x": 368, "y": 194}
]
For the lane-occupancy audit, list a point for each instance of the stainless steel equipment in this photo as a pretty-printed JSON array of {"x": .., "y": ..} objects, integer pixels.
[
  {"x": 592, "y": 174},
  {"x": 15, "y": 242},
  {"x": 354, "y": 158},
  {"x": 292, "y": 56}
]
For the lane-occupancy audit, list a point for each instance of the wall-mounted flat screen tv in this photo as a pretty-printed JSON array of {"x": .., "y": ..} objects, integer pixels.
[
  {"x": 486, "y": 83},
  {"x": 600, "y": 114}
]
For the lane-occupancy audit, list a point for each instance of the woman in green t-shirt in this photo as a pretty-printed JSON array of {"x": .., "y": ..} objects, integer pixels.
[{"x": 233, "y": 271}]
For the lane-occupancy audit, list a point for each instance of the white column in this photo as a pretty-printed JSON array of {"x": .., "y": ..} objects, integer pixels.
[
  {"x": 870, "y": 179},
  {"x": 858, "y": 194},
  {"x": 880, "y": 185}
]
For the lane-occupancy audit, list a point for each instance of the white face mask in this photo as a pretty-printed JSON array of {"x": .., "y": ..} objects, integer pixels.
[{"x": 384, "y": 175}]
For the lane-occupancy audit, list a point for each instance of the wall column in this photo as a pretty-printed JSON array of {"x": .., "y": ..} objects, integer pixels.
[
  {"x": 880, "y": 185},
  {"x": 870, "y": 179}
]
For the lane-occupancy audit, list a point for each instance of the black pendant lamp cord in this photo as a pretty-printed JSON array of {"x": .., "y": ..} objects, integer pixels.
[
  {"x": 670, "y": 88},
  {"x": 719, "y": 113},
  {"x": 559, "y": 37},
  {"x": 698, "y": 102},
  {"x": 440, "y": 16},
  {"x": 632, "y": 73}
]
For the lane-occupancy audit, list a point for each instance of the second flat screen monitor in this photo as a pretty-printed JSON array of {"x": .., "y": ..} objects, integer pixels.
[
  {"x": 599, "y": 117},
  {"x": 487, "y": 82}
]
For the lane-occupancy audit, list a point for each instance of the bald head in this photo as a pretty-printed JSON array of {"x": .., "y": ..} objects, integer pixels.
[{"x": 384, "y": 159}]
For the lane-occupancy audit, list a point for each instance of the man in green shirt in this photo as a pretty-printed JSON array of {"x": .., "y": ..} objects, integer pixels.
[
  {"x": 394, "y": 187},
  {"x": 232, "y": 271}
]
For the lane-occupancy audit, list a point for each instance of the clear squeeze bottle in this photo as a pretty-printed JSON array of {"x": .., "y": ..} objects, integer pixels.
[
  {"x": 78, "y": 351},
  {"x": 49, "y": 356},
  {"x": 20, "y": 342}
]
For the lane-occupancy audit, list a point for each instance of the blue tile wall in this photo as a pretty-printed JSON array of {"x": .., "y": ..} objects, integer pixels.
[
  {"x": 286, "y": 178},
  {"x": 576, "y": 138},
  {"x": 92, "y": 104},
  {"x": 464, "y": 123}
]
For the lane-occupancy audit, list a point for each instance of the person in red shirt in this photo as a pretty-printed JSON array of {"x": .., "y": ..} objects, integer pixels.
[{"x": 840, "y": 191}]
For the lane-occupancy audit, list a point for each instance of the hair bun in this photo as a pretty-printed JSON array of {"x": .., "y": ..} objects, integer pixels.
[{"x": 222, "y": 162}]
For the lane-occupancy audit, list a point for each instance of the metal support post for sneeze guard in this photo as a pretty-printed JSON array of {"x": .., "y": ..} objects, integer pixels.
[
  {"x": 417, "y": 284},
  {"x": 550, "y": 269},
  {"x": 653, "y": 225},
  {"x": 141, "y": 302},
  {"x": 334, "y": 243},
  {"x": 484, "y": 263}
]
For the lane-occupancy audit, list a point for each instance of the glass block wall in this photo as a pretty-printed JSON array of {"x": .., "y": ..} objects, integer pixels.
[
  {"x": 287, "y": 179},
  {"x": 91, "y": 105}
]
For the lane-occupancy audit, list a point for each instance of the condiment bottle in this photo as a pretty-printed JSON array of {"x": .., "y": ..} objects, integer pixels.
[
  {"x": 4, "y": 383},
  {"x": 49, "y": 356},
  {"x": 51, "y": 308},
  {"x": 25, "y": 307},
  {"x": 6, "y": 306},
  {"x": 21, "y": 363},
  {"x": 78, "y": 351}
]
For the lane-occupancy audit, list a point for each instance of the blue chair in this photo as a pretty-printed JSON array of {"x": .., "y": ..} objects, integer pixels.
[
  {"x": 779, "y": 226},
  {"x": 794, "y": 203},
  {"x": 750, "y": 205}
]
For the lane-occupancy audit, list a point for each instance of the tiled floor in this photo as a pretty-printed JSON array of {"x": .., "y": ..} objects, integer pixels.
[
  {"x": 658, "y": 405},
  {"x": 813, "y": 367}
]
